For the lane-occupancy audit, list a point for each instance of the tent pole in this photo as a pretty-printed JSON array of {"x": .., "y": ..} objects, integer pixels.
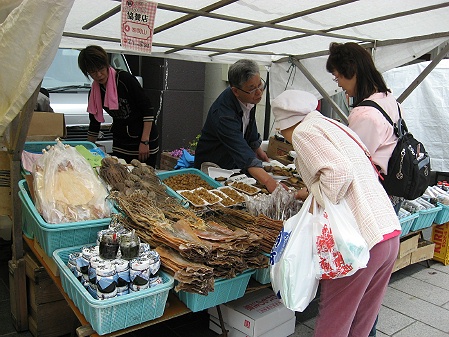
[
  {"x": 17, "y": 265},
  {"x": 320, "y": 89},
  {"x": 424, "y": 73}
]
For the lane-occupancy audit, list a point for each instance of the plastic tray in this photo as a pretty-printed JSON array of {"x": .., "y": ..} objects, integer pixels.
[
  {"x": 170, "y": 191},
  {"x": 117, "y": 313},
  {"x": 425, "y": 218},
  {"x": 407, "y": 222},
  {"x": 225, "y": 290},
  {"x": 55, "y": 236},
  {"x": 443, "y": 215}
]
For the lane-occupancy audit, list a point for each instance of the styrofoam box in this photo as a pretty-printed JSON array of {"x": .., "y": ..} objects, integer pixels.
[
  {"x": 283, "y": 330},
  {"x": 255, "y": 313}
]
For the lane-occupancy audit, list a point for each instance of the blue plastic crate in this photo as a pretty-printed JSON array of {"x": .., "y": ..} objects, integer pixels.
[
  {"x": 37, "y": 147},
  {"x": 106, "y": 316},
  {"x": 164, "y": 175},
  {"x": 443, "y": 215},
  {"x": 407, "y": 222},
  {"x": 225, "y": 290},
  {"x": 55, "y": 236},
  {"x": 425, "y": 218},
  {"x": 263, "y": 275}
]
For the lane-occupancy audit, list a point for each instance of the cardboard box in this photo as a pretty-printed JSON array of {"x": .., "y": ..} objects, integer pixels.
[
  {"x": 46, "y": 126},
  {"x": 408, "y": 244},
  {"x": 423, "y": 253},
  {"x": 283, "y": 330},
  {"x": 277, "y": 148},
  {"x": 255, "y": 313},
  {"x": 440, "y": 235},
  {"x": 168, "y": 162},
  {"x": 402, "y": 262}
]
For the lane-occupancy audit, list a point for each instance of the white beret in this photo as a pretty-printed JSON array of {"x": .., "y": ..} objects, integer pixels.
[{"x": 291, "y": 106}]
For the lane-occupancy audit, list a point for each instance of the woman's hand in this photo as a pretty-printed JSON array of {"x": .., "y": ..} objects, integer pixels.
[
  {"x": 144, "y": 152},
  {"x": 302, "y": 194}
]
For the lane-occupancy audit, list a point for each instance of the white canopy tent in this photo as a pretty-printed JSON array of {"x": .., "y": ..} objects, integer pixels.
[{"x": 273, "y": 32}]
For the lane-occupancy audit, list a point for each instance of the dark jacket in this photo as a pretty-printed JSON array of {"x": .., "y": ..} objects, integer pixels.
[{"x": 222, "y": 141}]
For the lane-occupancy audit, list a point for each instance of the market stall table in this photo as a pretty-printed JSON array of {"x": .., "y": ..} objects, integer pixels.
[{"x": 174, "y": 307}]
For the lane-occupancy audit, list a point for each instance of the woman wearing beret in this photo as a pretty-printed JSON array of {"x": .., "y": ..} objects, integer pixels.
[{"x": 330, "y": 162}]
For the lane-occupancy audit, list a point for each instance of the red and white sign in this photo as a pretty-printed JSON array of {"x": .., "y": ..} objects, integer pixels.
[{"x": 138, "y": 24}]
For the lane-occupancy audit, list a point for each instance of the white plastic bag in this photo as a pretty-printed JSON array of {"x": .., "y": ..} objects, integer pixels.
[
  {"x": 292, "y": 270},
  {"x": 339, "y": 249},
  {"x": 66, "y": 187}
]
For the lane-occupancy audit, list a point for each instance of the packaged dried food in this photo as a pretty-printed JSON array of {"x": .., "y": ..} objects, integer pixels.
[{"x": 245, "y": 188}]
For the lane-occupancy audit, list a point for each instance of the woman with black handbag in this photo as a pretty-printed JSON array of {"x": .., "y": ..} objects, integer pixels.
[{"x": 353, "y": 69}]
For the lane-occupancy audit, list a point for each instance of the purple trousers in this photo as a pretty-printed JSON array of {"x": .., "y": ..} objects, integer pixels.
[{"x": 349, "y": 306}]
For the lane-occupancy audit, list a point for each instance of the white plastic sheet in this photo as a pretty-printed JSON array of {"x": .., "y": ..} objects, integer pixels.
[
  {"x": 30, "y": 32},
  {"x": 426, "y": 109}
]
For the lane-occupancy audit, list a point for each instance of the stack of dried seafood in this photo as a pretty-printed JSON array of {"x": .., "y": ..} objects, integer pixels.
[
  {"x": 128, "y": 179},
  {"x": 227, "y": 249},
  {"x": 191, "y": 277},
  {"x": 264, "y": 227}
]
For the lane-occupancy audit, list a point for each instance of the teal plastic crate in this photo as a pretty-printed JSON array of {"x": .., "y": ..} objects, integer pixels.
[
  {"x": 225, "y": 290},
  {"x": 205, "y": 177},
  {"x": 263, "y": 275},
  {"x": 106, "y": 316},
  {"x": 407, "y": 222},
  {"x": 55, "y": 236},
  {"x": 425, "y": 218},
  {"x": 443, "y": 215},
  {"x": 37, "y": 147}
]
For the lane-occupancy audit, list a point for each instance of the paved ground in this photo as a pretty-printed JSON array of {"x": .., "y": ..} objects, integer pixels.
[{"x": 416, "y": 305}]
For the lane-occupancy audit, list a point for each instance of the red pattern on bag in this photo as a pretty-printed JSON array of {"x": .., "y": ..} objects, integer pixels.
[{"x": 330, "y": 259}]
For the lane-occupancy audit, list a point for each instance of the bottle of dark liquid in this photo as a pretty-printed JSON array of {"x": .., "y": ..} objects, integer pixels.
[
  {"x": 109, "y": 245},
  {"x": 129, "y": 245}
]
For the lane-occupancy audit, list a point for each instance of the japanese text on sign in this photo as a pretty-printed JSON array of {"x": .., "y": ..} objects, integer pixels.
[{"x": 138, "y": 24}]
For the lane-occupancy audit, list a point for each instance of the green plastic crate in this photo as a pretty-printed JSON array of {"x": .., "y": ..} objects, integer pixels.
[
  {"x": 407, "y": 222},
  {"x": 225, "y": 290},
  {"x": 263, "y": 275},
  {"x": 106, "y": 316},
  {"x": 443, "y": 215},
  {"x": 205, "y": 177},
  {"x": 55, "y": 236},
  {"x": 425, "y": 219}
]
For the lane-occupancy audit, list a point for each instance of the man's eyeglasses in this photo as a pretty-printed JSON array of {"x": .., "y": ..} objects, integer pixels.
[{"x": 262, "y": 86}]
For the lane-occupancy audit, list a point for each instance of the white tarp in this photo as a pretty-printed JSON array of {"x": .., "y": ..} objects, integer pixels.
[
  {"x": 30, "y": 32},
  {"x": 284, "y": 76},
  {"x": 426, "y": 110}
]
